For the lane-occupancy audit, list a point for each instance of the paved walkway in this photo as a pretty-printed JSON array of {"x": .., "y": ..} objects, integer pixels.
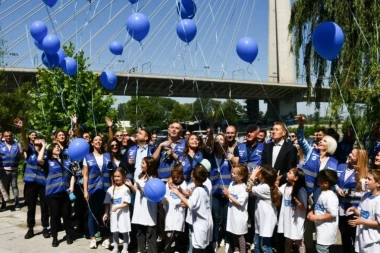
[{"x": 13, "y": 228}]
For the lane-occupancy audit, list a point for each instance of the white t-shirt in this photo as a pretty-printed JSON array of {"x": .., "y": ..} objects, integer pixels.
[
  {"x": 99, "y": 161},
  {"x": 265, "y": 211},
  {"x": 120, "y": 220},
  {"x": 368, "y": 238},
  {"x": 144, "y": 211},
  {"x": 237, "y": 216},
  {"x": 190, "y": 187},
  {"x": 199, "y": 205},
  {"x": 326, "y": 202},
  {"x": 175, "y": 214},
  {"x": 292, "y": 219}
]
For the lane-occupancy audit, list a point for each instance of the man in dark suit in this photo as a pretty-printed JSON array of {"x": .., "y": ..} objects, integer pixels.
[{"x": 279, "y": 153}]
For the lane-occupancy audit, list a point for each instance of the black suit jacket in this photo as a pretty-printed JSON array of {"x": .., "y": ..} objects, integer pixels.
[{"x": 286, "y": 159}]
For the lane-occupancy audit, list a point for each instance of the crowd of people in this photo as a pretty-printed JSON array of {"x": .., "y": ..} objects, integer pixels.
[{"x": 270, "y": 193}]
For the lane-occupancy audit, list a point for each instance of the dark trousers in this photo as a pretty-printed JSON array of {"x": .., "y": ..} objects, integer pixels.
[
  {"x": 60, "y": 207},
  {"x": 175, "y": 237},
  {"x": 251, "y": 215},
  {"x": 80, "y": 208},
  {"x": 219, "y": 217},
  {"x": 347, "y": 233},
  {"x": 146, "y": 235},
  {"x": 95, "y": 214},
  {"x": 32, "y": 192}
]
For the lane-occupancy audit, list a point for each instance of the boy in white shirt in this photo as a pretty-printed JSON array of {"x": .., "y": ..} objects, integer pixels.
[{"x": 325, "y": 214}]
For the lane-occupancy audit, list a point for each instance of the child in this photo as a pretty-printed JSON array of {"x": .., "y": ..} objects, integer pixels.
[
  {"x": 145, "y": 212},
  {"x": 175, "y": 214},
  {"x": 237, "y": 215},
  {"x": 204, "y": 164},
  {"x": 117, "y": 199},
  {"x": 268, "y": 199},
  {"x": 368, "y": 222},
  {"x": 199, "y": 205},
  {"x": 326, "y": 206},
  {"x": 293, "y": 210}
]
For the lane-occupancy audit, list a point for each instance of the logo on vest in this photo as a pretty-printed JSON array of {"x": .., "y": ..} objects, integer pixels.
[{"x": 364, "y": 214}]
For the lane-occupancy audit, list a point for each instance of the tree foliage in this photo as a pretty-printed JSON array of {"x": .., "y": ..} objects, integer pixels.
[
  {"x": 58, "y": 96},
  {"x": 354, "y": 75},
  {"x": 158, "y": 112}
]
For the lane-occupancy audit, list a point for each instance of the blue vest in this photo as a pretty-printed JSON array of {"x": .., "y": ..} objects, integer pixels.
[
  {"x": 222, "y": 178},
  {"x": 255, "y": 158},
  {"x": 189, "y": 166},
  {"x": 58, "y": 179},
  {"x": 34, "y": 173},
  {"x": 166, "y": 164},
  {"x": 311, "y": 169},
  {"x": 98, "y": 178},
  {"x": 9, "y": 158},
  {"x": 132, "y": 152},
  {"x": 349, "y": 184}
]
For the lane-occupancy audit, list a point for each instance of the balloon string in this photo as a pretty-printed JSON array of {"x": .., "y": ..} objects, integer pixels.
[
  {"x": 349, "y": 114},
  {"x": 137, "y": 100}
]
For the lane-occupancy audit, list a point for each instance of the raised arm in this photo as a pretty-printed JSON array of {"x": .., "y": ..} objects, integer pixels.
[
  {"x": 25, "y": 141},
  {"x": 109, "y": 123},
  {"x": 306, "y": 148},
  {"x": 41, "y": 153},
  {"x": 74, "y": 119}
]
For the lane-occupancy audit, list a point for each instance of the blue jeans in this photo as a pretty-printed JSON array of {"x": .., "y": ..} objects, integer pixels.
[
  {"x": 262, "y": 244},
  {"x": 323, "y": 248},
  {"x": 95, "y": 214},
  {"x": 219, "y": 209}
]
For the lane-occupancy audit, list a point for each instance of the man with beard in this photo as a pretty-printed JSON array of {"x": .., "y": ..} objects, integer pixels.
[{"x": 233, "y": 151}]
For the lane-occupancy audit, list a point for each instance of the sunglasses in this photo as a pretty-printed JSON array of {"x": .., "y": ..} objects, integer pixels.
[
  {"x": 115, "y": 145},
  {"x": 292, "y": 136},
  {"x": 118, "y": 135},
  {"x": 125, "y": 134}
]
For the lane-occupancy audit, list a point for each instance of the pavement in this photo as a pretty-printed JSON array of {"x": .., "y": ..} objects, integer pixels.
[{"x": 13, "y": 229}]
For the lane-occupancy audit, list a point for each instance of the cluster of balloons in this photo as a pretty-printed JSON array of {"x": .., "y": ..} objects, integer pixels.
[
  {"x": 53, "y": 55},
  {"x": 328, "y": 40},
  {"x": 186, "y": 28}
]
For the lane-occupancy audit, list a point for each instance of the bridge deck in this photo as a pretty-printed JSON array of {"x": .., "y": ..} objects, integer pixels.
[{"x": 175, "y": 86}]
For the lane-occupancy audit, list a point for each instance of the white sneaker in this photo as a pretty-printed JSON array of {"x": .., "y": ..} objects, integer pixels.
[
  {"x": 159, "y": 239},
  {"x": 106, "y": 243},
  {"x": 215, "y": 246},
  {"x": 227, "y": 248},
  {"x": 222, "y": 243},
  {"x": 115, "y": 250},
  {"x": 93, "y": 244},
  {"x": 252, "y": 247}
]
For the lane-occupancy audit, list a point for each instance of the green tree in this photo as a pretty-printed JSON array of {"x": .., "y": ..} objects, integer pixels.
[
  {"x": 58, "y": 96},
  {"x": 203, "y": 107},
  {"x": 230, "y": 111},
  {"x": 13, "y": 102},
  {"x": 354, "y": 75},
  {"x": 181, "y": 113}
]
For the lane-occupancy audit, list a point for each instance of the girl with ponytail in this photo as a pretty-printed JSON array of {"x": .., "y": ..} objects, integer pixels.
[{"x": 268, "y": 199}]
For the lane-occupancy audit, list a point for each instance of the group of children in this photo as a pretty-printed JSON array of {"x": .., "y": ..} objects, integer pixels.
[{"x": 295, "y": 206}]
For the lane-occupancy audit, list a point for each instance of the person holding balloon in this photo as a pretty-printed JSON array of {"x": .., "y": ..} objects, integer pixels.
[
  {"x": 59, "y": 183},
  {"x": 145, "y": 211},
  {"x": 96, "y": 181}
]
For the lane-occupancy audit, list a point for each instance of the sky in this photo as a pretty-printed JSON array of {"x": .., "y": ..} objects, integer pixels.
[{"x": 220, "y": 24}]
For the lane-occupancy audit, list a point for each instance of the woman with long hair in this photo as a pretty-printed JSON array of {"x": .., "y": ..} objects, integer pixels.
[
  {"x": 192, "y": 155},
  {"x": 351, "y": 182}
]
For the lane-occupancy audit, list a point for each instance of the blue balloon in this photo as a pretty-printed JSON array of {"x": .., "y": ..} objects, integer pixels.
[
  {"x": 108, "y": 79},
  {"x": 53, "y": 60},
  {"x": 133, "y": 1},
  {"x": 78, "y": 149},
  {"x": 38, "y": 45},
  {"x": 247, "y": 49},
  {"x": 50, "y": 3},
  {"x": 328, "y": 40},
  {"x": 38, "y": 30},
  {"x": 186, "y": 30},
  {"x": 69, "y": 66},
  {"x": 154, "y": 190},
  {"x": 116, "y": 48},
  {"x": 138, "y": 26},
  {"x": 187, "y": 9},
  {"x": 51, "y": 44}
]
